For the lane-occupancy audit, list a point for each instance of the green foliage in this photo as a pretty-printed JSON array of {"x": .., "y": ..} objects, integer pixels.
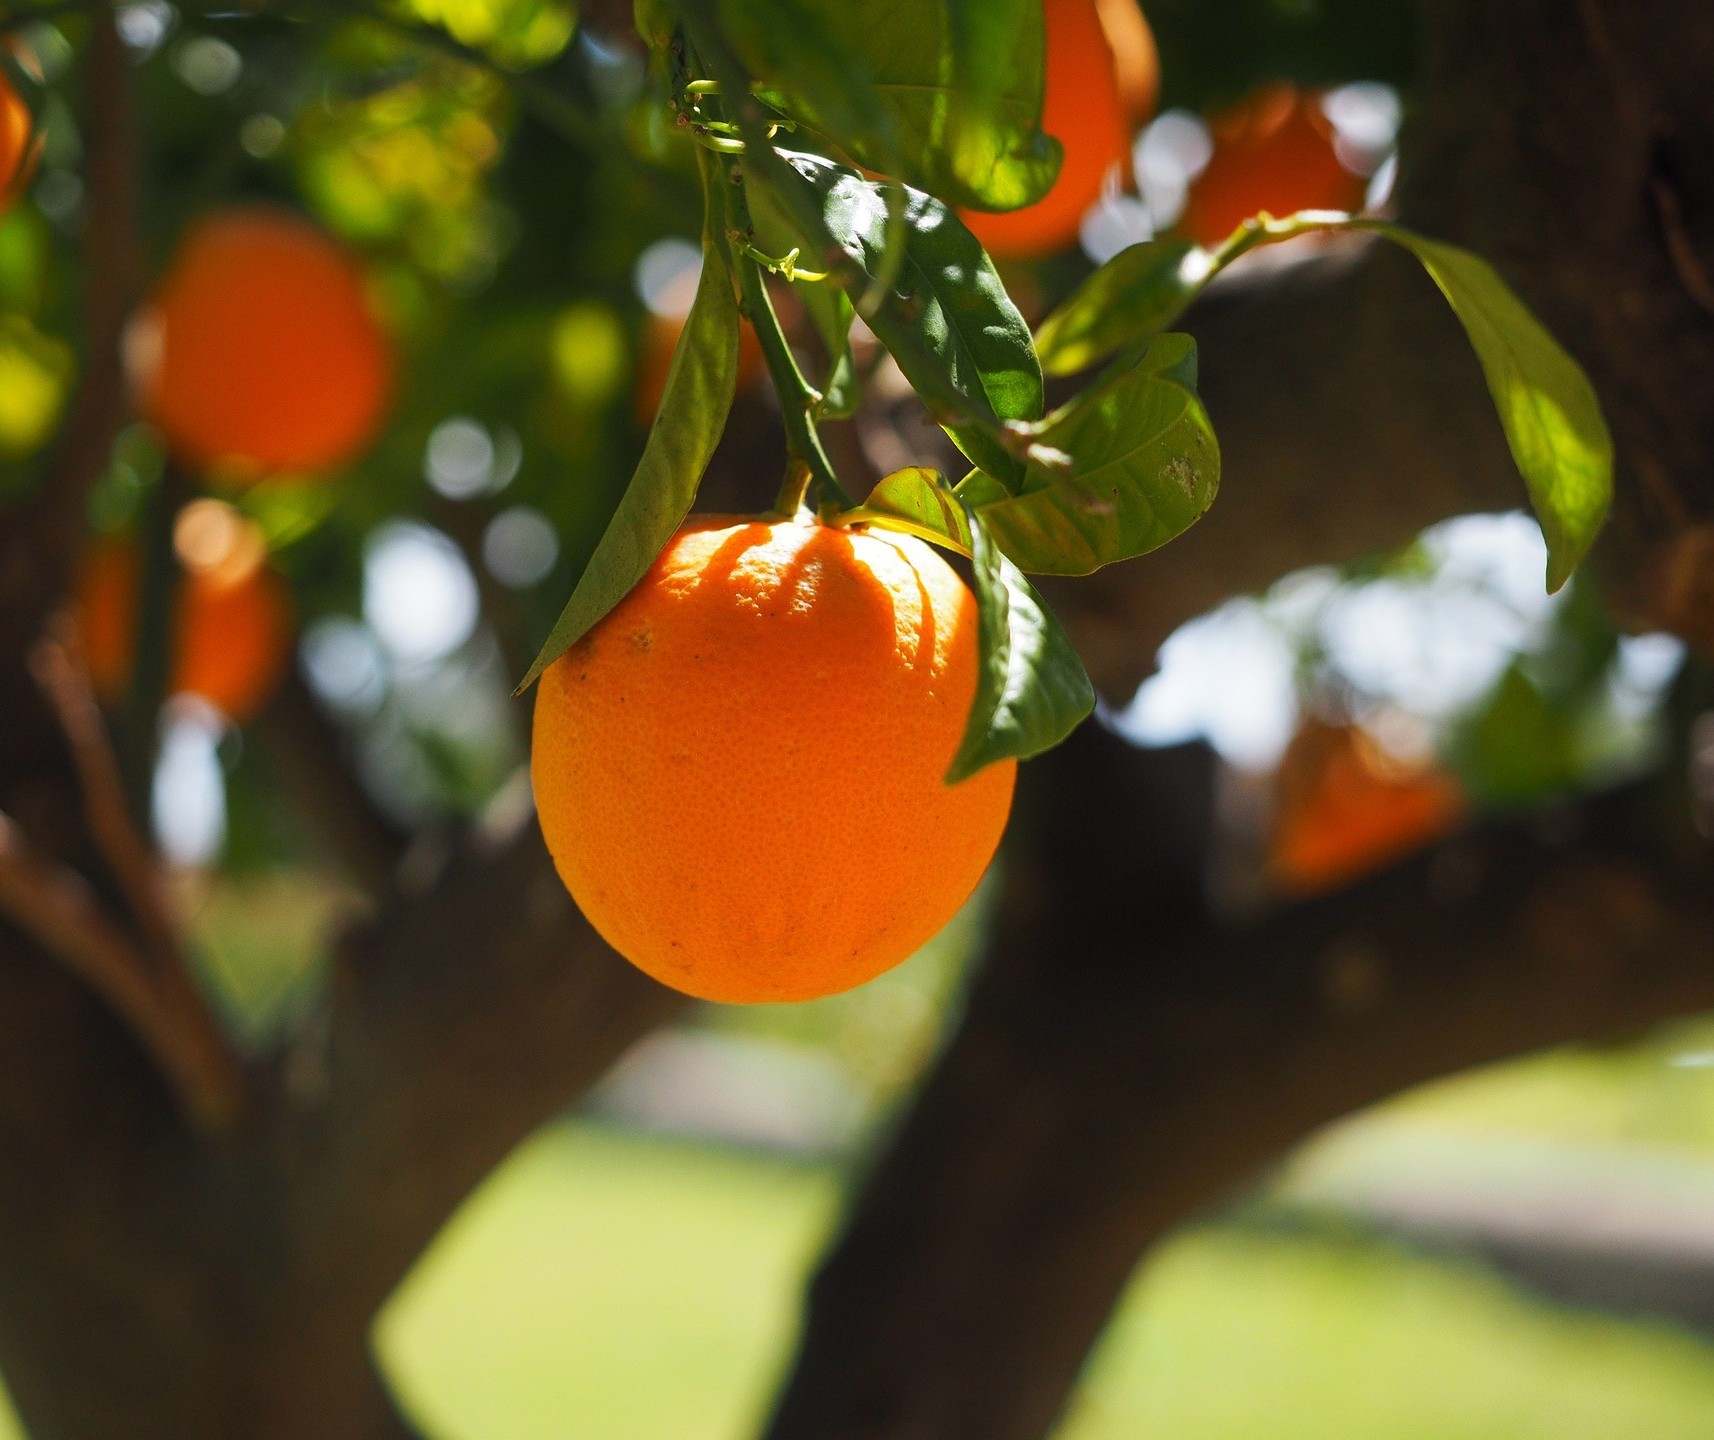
[
  {"x": 946, "y": 317},
  {"x": 1553, "y": 421},
  {"x": 514, "y": 33},
  {"x": 1031, "y": 691},
  {"x": 687, "y": 428},
  {"x": 1549, "y": 410},
  {"x": 944, "y": 94},
  {"x": 1144, "y": 467},
  {"x": 1138, "y": 293}
]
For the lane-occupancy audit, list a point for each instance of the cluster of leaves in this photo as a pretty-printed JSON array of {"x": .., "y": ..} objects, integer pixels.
[{"x": 896, "y": 118}]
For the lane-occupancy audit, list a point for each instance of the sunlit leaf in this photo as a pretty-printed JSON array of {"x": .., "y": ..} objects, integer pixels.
[
  {"x": 1552, "y": 419},
  {"x": 1145, "y": 466},
  {"x": 945, "y": 94},
  {"x": 918, "y": 500},
  {"x": 687, "y": 427},
  {"x": 1137, "y": 293}
]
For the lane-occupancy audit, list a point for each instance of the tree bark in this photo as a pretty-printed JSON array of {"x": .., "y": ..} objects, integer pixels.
[{"x": 1129, "y": 1057}]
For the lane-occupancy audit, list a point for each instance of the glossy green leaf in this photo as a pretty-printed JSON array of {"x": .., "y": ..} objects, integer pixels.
[
  {"x": 1144, "y": 467},
  {"x": 1136, "y": 294},
  {"x": 965, "y": 334},
  {"x": 1031, "y": 689},
  {"x": 1552, "y": 419},
  {"x": 687, "y": 427},
  {"x": 944, "y": 94},
  {"x": 919, "y": 501},
  {"x": 827, "y": 305}
]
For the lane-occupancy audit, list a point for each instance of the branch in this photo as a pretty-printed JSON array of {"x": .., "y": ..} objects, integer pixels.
[
  {"x": 54, "y": 906},
  {"x": 1129, "y": 1058},
  {"x": 461, "y": 1019}
]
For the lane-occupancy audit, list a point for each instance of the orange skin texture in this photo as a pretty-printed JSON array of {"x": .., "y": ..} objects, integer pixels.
[
  {"x": 262, "y": 354},
  {"x": 740, "y": 770},
  {"x": 232, "y": 628},
  {"x": 18, "y": 149},
  {"x": 1093, "y": 97},
  {"x": 1345, "y": 810},
  {"x": 1273, "y": 152}
]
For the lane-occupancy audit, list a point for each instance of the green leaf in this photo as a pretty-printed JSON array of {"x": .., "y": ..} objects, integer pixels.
[
  {"x": 827, "y": 305},
  {"x": 806, "y": 68},
  {"x": 919, "y": 501},
  {"x": 965, "y": 336},
  {"x": 1136, "y": 294},
  {"x": 687, "y": 427},
  {"x": 1031, "y": 689},
  {"x": 1144, "y": 467},
  {"x": 944, "y": 94},
  {"x": 1552, "y": 420}
]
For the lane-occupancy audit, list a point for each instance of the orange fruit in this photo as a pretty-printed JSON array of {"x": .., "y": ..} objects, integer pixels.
[
  {"x": 232, "y": 622},
  {"x": 1102, "y": 79},
  {"x": 660, "y": 339},
  {"x": 18, "y": 147},
  {"x": 1274, "y": 152},
  {"x": 740, "y": 770},
  {"x": 1345, "y": 807},
  {"x": 260, "y": 353}
]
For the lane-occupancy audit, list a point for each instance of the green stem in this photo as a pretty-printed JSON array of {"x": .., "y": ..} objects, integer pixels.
[
  {"x": 800, "y": 402},
  {"x": 944, "y": 400}
]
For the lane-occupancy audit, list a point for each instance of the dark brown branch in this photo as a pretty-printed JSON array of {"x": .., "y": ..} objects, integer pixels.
[
  {"x": 54, "y": 906},
  {"x": 1128, "y": 1058}
]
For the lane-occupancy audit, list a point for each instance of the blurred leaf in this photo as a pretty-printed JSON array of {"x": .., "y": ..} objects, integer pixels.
[
  {"x": 965, "y": 333},
  {"x": 944, "y": 94},
  {"x": 514, "y": 33},
  {"x": 1144, "y": 467},
  {"x": 1137, "y": 293},
  {"x": 1519, "y": 747},
  {"x": 1031, "y": 689},
  {"x": 35, "y": 377},
  {"x": 687, "y": 427},
  {"x": 1552, "y": 419}
]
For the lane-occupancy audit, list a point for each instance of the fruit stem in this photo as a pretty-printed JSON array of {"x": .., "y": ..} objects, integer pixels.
[{"x": 800, "y": 402}]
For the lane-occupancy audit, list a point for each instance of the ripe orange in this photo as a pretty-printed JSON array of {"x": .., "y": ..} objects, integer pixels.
[
  {"x": 1274, "y": 152},
  {"x": 739, "y": 771},
  {"x": 260, "y": 353},
  {"x": 231, "y": 619},
  {"x": 1345, "y": 808},
  {"x": 18, "y": 147},
  {"x": 1102, "y": 79}
]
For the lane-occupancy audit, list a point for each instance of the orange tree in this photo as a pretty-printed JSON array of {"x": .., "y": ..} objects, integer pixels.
[{"x": 816, "y": 719}]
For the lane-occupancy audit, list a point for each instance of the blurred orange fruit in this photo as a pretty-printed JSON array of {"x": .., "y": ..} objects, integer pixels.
[
  {"x": 740, "y": 770},
  {"x": 1103, "y": 76},
  {"x": 660, "y": 338},
  {"x": 260, "y": 353},
  {"x": 1273, "y": 151},
  {"x": 1344, "y": 807},
  {"x": 232, "y": 619},
  {"x": 19, "y": 145}
]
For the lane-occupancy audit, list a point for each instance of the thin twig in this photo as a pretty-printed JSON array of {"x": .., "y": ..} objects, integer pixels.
[
  {"x": 56, "y": 662},
  {"x": 195, "y": 1037}
]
